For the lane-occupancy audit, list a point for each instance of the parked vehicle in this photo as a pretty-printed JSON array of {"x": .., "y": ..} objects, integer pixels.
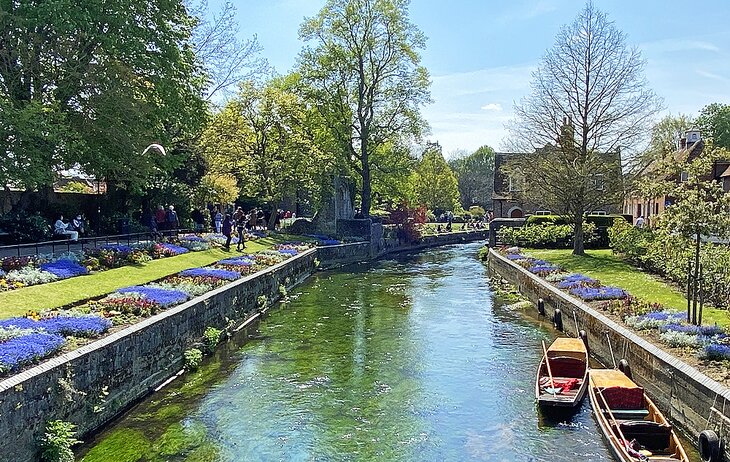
[{"x": 562, "y": 377}]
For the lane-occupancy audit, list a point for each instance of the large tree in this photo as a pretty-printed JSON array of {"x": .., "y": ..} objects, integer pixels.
[
  {"x": 589, "y": 105},
  {"x": 364, "y": 66},
  {"x": 475, "y": 173},
  {"x": 91, "y": 84},
  {"x": 433, "y": 183},
  {"x": 714, "y": 121}
]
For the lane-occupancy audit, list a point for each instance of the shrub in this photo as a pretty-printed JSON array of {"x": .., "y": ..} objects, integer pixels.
[
  {"x": 544, "y": 236},
  {"x": 25, "y": 227},
  {"x": 56, "y": 442},
  {"x": 8, "y": 264},
  {"x": 678, "y": 339},
  {"x": 477, "y": 211},
  {"x": 31, "y": 276},
  {"x": 653, "y": 320},
  {"x": 211, "y": 338},
  {"x": 192, "y": 359}
]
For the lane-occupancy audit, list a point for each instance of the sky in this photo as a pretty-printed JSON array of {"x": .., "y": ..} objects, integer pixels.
[{"x": 480, "y": 53}]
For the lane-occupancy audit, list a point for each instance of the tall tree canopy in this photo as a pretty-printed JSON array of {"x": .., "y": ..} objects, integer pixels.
[
  {"x": 364, "y": 66},
  {"x": 92, "y": 83},
  {"x": 714, "y": 121},
  {"x": 589, "y": 99},
  {"x": 433, "y": 184},
  {"x": 475, "y": 173}
]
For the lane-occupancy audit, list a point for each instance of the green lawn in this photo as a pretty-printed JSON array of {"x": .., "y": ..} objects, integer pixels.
[
  {"x": 57, "y": 294},
  {"x": 612, "y": 270}
]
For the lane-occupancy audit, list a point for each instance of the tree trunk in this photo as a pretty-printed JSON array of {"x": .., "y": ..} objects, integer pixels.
[
  {"x": 366, "y": 189},
  {"x": 271, "y": 225},
  {"x": 578, "y": 245}
]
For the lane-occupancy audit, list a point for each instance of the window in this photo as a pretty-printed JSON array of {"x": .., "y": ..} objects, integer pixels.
[
  {"x": 684, "y": 176},
  {"x": 598, "y": 181},
  {"x": 598, "y": 212},
  {"x": 515, "y": 183}
]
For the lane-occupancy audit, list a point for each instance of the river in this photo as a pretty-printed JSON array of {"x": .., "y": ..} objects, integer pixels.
[{"x": 403, "y": 359}]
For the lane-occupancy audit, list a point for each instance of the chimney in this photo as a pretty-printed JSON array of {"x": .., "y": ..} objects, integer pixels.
[{"x": 682, "y": 143}]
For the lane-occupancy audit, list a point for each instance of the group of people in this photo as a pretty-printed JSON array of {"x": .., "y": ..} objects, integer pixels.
[
  {"x": 72, "y": 229},
  {"x": 241, "y": 221}
]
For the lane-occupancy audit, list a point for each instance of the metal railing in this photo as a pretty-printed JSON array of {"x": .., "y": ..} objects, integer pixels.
[{"x": 67, "y": 245}]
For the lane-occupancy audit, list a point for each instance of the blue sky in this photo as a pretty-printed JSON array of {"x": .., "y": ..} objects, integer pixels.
[{"x": 480, "y": 53}]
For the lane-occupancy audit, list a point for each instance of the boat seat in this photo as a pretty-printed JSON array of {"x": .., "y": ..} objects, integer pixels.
[
  {"x": 629, "y": 414},
  {"x": 650, "y": 435}
]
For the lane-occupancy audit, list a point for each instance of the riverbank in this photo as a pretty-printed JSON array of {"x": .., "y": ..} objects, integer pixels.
[
  {"x": 92, "y": 385},
  {"x": 687, "y": 396}
]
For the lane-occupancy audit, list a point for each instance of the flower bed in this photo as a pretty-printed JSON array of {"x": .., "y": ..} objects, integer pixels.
[
  {"x": 27, "y": 340},
  {"x": 709, "y": 342},
  {"x": 18, "y": 272}
]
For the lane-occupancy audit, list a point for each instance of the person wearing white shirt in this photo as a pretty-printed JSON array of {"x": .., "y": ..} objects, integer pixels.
[{"x": 61, "y": 229}]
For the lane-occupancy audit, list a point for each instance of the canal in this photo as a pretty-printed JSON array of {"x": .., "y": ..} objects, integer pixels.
[{"x": 405, "y": 359}]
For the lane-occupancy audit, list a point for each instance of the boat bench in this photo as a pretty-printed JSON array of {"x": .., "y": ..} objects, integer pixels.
[{"x": 629, "y": 414}]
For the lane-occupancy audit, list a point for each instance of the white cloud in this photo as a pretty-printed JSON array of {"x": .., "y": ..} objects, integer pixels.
[
  {"x": 678, "y": 44},
  {"x": 492, "y": 107}
]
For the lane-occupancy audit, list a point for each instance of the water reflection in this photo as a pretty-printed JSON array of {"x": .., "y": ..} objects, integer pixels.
[{"x": 406, "y": 359}]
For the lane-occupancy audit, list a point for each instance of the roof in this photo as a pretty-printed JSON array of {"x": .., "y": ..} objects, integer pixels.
[
  {"x": 726, "y": 173},
  {"x": 605, "y": 378}
]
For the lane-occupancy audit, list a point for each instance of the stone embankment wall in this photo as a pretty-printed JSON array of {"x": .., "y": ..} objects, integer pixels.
[
  {"x": 95, "y": 383},
  {"x": 682, "y": 392}
]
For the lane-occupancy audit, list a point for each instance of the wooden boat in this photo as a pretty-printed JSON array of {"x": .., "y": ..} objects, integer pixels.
[
  {"x": 629, "y": 420},
  {"x": 562, "y": 377}
]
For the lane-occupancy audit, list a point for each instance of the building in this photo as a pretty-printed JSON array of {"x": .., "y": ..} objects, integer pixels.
[
  {"x": 689, "y": 148},
  {"x": 506, "y": 202}
]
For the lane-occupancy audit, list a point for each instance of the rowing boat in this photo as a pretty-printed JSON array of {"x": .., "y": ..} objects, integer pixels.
[
  {"x": 633, "y": 426},
  {"x": 562, "y": 377}
]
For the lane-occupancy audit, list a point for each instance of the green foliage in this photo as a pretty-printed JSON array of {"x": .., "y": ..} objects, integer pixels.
[
  {"x": 192, "y": 359},
  {"x": 433, "y": 184},
  {"x": 477, "y": 212},
  {"x": 25, "y": 227},
  {"x": 483, "y": 253},
  {"x": 81, "y": 89},
  {"x": 211, "y": 339},
  {"x": 221, "y": 188},
  {"x": 475, "y": 175},
  {"x": 377, "y": 102},
  {"x": 714, "y": 121},
  {"x": 544, "y": 236},
  {"x": 57, "y": 441},
  {"x": 262, "y": 301}
]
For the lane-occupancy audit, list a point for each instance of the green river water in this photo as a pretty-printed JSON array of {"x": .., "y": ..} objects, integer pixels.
[{"x": 405, "y": 359}]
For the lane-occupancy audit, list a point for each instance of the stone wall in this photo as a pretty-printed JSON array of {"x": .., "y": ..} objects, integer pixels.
[
  {"x": 682, "y": 392},
  {"x": 127, "y": 364}
]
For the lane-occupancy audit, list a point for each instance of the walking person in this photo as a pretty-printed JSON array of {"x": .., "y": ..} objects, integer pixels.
[
  {"x": 240, "y": 218},
  {"x": 171, "y": 218},
  {"x": 218, "y": 220},
  {"x": 160, "y": 218},
  {"x": 227, "y": 228}
]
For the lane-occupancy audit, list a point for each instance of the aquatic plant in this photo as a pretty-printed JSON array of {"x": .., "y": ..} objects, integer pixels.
[
  {"x": 192, "y": 359},
  {"x": 211, "y": 338},
  {"x": 57, "y": 441}
]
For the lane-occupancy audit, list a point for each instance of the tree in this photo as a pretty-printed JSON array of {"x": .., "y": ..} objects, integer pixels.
[
  {"x": 665, "y": 136},
  {"x": 714, "y": 121},
  {"x": 227, "y": 60},
  {"x": 261, "y": 137},
  {"x": 475, "y": 173},
  {"x": 364, "y": 68},
  {"x": 589, "y": 105},
  {"x": 433, "y": 184},
  {"x": 90, "y": 84},
  {"x": 216, "y": 189}
]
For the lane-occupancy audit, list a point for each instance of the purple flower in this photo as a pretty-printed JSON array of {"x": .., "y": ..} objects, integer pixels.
[
  {"x": 28, "y": 349},
  {"x": 163, "y": 297},
  {"x": 576, "y": 280},
  {"x": 64, "y": 269},
  {"x": 515, "y": 256},
  {"x": 598, "y": 293},
  {"x": 716, "y": 351},
  {"x": 664, "y": 316},
  {"x": 543, "y": 269},
  {"x": 236, "y": 261},
  {"x": 697, "y": 330},
  {"x": 78, "y": 326},
  {"x": 119, "y": 248},
  {"x": 192, "y": 238},
  {"x": 213, "y": 273},
  {"x": 290, "y": 252},
  {"x": 174, "y": 249}
]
